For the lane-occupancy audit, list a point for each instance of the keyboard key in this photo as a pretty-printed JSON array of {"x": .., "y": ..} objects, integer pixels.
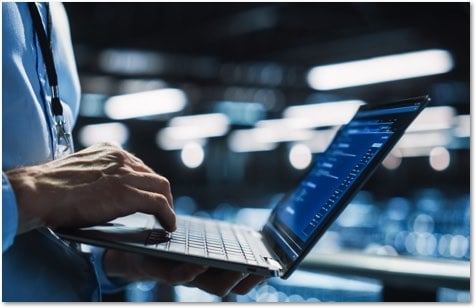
[
  {"x": 194, "y": 245},
  {"x": 196, "y": 251},
  {"x": 232, "y": 246},
  {"x": 214, "y": 244},
  {"x": 198, "y": 242},
  {"x": 177, "y": 247},
  {"x": 195, "y": 238},
  {"x": 234, "y": 252}
]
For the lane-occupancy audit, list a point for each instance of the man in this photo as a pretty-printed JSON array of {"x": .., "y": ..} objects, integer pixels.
[{"x": 45, "y": 186}]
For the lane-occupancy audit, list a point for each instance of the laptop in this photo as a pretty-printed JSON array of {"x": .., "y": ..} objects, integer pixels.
[{"x": 295, "y": 224}]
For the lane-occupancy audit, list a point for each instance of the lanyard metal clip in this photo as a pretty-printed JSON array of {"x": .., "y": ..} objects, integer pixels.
[{"x": 63, "y": 137}]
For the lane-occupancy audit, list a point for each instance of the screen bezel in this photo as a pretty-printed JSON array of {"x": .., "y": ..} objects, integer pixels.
[{"x": 274, "y": 230}]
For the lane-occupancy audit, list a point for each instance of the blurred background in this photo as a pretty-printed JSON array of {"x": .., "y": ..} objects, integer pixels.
[{"x": 207, "y": 94}]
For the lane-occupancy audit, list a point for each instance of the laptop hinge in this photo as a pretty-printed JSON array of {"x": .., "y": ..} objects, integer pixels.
[
  {"x": 273, "y": 264},
  {"x": 270, "y": 240}
]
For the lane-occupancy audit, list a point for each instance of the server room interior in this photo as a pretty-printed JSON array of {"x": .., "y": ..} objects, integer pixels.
[{"x": 247, "y": 72}]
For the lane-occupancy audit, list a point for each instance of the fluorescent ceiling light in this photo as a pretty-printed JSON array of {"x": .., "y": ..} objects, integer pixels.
[
  {"x": 270, "y": 134},
  {"x": 392, "y": 161},
  {"x": 182, "y": 130},
  {"x": 300, "y": 156},
  {"x": 380, "y": 69},
  {"x": 218, "y": 123},
  {"x": 167, "y": 142},
  {"x": 282, "y": 124},
  {"x": 413, "y": 152},
  {"x": 96, "y": 133},
  {"x": 144, "y": 104},
  {"x": 320, "y": 140},
  {"x": 192, "y": 155},
  {"x": 264, "y": 137},
  {"x": 248, "y": 140},
  {"x": 133, "y": 62},
  {"x": 197, "y": 126},
  {"x": 424, "y": 139},
  {"x": 323, "y": 114},
  {"x": 440, "y": 158},
  {"x": 433, "y": 118},
  {"x": 140, "y": 85}
]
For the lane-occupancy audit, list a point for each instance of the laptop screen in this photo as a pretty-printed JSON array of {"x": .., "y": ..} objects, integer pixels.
[{"x": 337, "y": 174}]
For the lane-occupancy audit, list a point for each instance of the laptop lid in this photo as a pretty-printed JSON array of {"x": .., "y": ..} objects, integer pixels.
[{"x": 358, "y": 148}]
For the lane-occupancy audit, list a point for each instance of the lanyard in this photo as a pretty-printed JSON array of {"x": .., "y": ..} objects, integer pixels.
[{"x": 63, "y": 136}]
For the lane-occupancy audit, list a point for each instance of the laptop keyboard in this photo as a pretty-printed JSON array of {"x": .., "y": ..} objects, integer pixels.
[{"x": 209, "y": 238}]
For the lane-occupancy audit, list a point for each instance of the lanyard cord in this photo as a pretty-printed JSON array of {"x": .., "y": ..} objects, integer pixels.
[{"x": 45, "y": 44}]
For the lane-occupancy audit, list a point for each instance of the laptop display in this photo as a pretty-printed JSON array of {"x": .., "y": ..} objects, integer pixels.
[{"x": 337, "y": 174}]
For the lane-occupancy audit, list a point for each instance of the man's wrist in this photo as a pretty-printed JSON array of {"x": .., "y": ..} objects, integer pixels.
[{"x": 30, "y": 211}]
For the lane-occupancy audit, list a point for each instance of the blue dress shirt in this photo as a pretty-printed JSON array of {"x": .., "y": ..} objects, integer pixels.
[{"x": 37, "y": 266}]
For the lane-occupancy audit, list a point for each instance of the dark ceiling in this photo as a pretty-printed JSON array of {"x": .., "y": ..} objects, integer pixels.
[
  {"x": 295, "y": 35},
  {"x": 272, "y": 31}
]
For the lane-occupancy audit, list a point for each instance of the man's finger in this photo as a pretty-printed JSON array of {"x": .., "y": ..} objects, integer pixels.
[
  {"x": 217, "y": 281},
  {"x": 136, "y": 200},
  {"x": 168, "y": 271},
  {"x": 247, "y": 284},
  {"x": 150, "y": 182}
]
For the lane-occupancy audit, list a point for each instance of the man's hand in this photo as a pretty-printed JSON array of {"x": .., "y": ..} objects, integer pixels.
[
  {"x": 131, "y": 267},
  {"x": 99, "y": 184},
  {"x": 90, "y": 187}
]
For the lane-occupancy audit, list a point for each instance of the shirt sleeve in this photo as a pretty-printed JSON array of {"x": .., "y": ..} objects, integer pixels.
[
  {"x": 9, "y": 214},
  {"x": 108, "y": 285}
]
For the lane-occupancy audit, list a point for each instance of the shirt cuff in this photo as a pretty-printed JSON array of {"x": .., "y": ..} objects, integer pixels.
[
  {"x": 9, "y": 214},
  {"x": 108, "y": 285}
]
